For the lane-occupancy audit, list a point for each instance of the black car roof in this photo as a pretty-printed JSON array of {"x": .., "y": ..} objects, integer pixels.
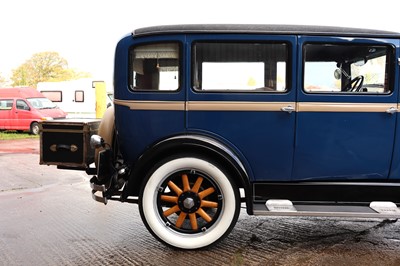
[{"x": 263, "y": 29}]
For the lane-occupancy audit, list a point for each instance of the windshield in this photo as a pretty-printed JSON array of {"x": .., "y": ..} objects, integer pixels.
[{"x": 41, "y": 103}]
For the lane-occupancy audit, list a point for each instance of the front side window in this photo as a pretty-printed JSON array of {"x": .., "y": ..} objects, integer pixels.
[
  {"x": 339, "y": 68},
  {"x": 240, "y": 67},
  {"x": 155, "y": 67},
  {"x": 22, "y": 105}
]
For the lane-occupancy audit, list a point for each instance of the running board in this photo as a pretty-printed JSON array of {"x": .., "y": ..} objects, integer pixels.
[{"x": 376, "y": 209}]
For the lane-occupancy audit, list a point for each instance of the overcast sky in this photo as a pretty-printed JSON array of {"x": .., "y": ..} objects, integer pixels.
[{"x": 85, "y": 32}]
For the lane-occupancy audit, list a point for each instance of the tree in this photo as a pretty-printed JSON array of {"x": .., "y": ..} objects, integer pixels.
[
  {"x": 2, "y": 81},
  {"x": 44, "y": 66}
]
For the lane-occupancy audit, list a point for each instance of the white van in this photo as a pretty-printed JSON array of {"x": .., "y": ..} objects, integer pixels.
[{"x": 82, "y": 98}]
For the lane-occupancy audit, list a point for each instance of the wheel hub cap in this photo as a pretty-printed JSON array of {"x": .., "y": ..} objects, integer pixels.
[{"x": 189, "y": 202}]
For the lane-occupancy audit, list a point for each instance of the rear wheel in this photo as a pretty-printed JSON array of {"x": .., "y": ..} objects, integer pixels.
[{"x": 189, "y": 203}]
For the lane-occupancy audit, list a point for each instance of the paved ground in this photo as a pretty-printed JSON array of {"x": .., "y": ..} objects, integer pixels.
[{"x": 48, "y": 218}]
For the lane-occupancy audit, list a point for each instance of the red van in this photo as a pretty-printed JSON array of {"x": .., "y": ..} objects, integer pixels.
[{"x": 22, "y": 108}]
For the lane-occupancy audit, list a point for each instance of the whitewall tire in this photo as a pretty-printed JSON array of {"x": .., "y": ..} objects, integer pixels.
[{"x": 189, "y": 203}]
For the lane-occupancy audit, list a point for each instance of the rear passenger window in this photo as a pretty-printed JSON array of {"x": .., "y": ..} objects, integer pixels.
[
  {"x": 240, "y": 67},
  {"x": 155, "y": 67},
  {"x": 338, "y": 68},
  {"x": 6, "y": 104}
]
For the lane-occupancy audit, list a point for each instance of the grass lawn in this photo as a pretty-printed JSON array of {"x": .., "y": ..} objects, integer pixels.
[{"x": 4, "y": 135}]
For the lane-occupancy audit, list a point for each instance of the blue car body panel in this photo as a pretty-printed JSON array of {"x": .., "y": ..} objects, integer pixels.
[{"x": 329, "y": 144}]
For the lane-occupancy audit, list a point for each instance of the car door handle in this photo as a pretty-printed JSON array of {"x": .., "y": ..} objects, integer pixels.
[
  {"x": 392, "y": 110},
  {"x": 288, "y": 109}
]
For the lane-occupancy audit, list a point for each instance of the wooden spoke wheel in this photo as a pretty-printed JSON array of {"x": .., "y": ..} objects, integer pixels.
[{"x": 189, "y": 203}]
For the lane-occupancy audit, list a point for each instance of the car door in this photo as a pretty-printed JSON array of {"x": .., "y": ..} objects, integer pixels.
[
  {"x": 346, "y": 110},
  {"x": 23, "y": 115},
  {"x": 242, "y": 94}
]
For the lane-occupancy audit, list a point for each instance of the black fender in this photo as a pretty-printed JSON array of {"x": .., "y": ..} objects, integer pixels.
[{"x": 199, "y": 144}]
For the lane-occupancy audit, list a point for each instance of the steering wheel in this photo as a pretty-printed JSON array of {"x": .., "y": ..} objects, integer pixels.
[{"x": 355, "y": 84}]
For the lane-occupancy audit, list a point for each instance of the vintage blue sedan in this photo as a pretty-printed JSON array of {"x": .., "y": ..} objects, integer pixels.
[{"x": 284, "y": 120}]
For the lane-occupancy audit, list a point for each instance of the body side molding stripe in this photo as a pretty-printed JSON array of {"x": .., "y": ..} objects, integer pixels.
[
  {"x": 343, "y": 107},
  {"x": 152, "y": 105},
  {"x": 236, "y": 106},
  {"x": 255, "y": 106}
]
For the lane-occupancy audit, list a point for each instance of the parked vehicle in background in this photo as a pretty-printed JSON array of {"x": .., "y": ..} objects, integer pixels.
[
  {"x": 288, "y": 120},
  {"x": 22, "y": 108},
  {"x": 82, "y": 98}
]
